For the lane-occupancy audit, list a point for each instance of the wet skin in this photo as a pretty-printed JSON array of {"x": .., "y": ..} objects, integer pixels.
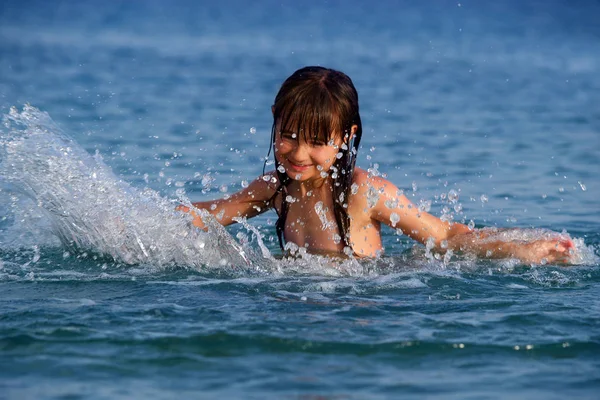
[{"x": 311, "y": 223}]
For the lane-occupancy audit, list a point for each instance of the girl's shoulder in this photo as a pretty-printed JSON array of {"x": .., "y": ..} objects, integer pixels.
[
  {"x": 263, "y": 187},
  {"x": 359, "y": 176},
  {"x": 365, "y": 181},
  {"x": 371, "y": 194}
]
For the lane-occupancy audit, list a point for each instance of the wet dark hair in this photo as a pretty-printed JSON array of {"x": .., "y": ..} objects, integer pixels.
[{"x": 322, "y": 103}]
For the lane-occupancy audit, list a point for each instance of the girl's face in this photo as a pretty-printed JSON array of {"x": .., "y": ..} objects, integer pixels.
[{"x": 305, "y": 160}]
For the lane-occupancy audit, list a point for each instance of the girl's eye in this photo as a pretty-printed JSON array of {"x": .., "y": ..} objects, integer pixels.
[{"x": 288, "y": 136}]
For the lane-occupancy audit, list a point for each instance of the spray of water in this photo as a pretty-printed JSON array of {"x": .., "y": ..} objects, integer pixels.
[
  {"x": 86, "y": 207},
  {"x": 76, "y": 198},
  {"x": 89, "y": 208}
]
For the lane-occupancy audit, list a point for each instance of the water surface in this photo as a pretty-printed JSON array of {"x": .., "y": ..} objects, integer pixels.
[{"x": 107, "y": 293}]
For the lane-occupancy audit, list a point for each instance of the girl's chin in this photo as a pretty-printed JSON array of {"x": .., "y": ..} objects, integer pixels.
[
  {"x": 304, "y": 177},
  {"x": 297, "y": 176}
]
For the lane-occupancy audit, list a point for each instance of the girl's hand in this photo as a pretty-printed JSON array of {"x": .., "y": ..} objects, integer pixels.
[
  {"x": 528, "y": 247},
  {"x": 197, "y": 221},
  {"x": 182, "y": 208},
  {"x": 545, "y": 251}
]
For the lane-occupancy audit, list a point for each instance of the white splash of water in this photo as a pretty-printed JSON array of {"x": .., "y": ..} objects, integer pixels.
[
  {"x": 89, "y": 208},
  {"x": 80, "y": 200}
]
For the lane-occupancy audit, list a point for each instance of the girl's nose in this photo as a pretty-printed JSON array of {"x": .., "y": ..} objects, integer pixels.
[{"x": 300, "y": 152}]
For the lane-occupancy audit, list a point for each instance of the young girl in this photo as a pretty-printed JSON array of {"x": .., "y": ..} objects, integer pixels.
[{"x": 326, "y": 205}]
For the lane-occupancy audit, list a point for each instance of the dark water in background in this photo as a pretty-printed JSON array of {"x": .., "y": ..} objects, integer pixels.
[{"x": 495, "y": 101}]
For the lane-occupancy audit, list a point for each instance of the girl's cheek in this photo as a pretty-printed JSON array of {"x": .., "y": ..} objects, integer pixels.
[
  {"x": 282, "y": 147},
  {"x": 277, "y": 146},
  {"x": 324, "y": 157}
]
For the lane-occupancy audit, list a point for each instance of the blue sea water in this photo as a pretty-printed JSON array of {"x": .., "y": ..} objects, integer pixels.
[{"x": 115, "y": 111}]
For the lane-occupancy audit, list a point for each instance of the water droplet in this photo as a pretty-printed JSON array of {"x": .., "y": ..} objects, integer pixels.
[
  {"x": 414, "y": 186},
  {"x": 484, "y": 198},
  {"x": 391, "y": 204},
  {"x": 281, "y": 169},
  {"x": 207, "y": 179},
  {"x": 322, "y": 213},
  {"x": 582, "y": 186},
  {"x": 425, "y": 205},
  {"x": 252, "y": 130},
  {"x": 394, "y": 219},
  {"x": 452, "y": 196},
  {"x": 374, "y": 170},
  {"x": 372, "y": 197}
]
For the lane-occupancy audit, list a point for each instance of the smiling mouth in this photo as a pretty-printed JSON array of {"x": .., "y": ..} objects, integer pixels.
[{"x": 298, "y": 167}]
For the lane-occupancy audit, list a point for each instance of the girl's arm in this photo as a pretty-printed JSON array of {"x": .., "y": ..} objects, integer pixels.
[
  {"x": 497, "y": 243},
  {"x": 247, "y": 203},
  {"x": 394, "y": 209}
]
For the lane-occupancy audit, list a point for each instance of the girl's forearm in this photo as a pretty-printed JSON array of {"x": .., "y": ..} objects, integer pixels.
[{"x": 513, "y": 243}]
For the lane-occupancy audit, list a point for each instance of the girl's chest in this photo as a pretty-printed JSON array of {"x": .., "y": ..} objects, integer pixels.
[{"x": 312, "y": 224}]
